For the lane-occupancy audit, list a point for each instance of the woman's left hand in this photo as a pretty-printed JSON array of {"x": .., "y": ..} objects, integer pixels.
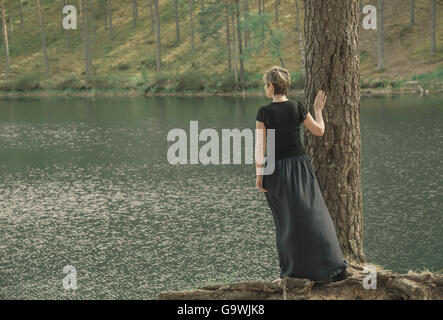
[{"x": 259, "y": 183}]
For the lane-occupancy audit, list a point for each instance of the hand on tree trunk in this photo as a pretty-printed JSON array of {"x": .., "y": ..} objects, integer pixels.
[{"x": 320, "y": 101}]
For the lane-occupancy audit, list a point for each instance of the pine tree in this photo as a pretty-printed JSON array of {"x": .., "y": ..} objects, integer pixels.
[
  {"x": 5, "y": 39},
  {"x": 42, "y": 27},
  {"x": 332, "y": 66}
]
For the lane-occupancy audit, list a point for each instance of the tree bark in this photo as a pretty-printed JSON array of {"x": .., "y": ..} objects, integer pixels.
[
  {"x": 105, "y": 15},
  {"x": 412, "y": 13},
  {"x": 5, "y": 38},
  {"x": 110, "y": 18},
  {"x": 88, "y": 34},
  {"x": 332, "y": 65},
  {"x": 134, "y": 12},
  {"x": 11, "y": 30},
  {"x": 277, "y": 3},
  {"x": 300, "y": 37},
  {"x": 228, "y": 38},
  {"x": 152, "y": 16},
  {"x": 381, "y": 35},
  {"x": 177, "y": 28},
  {"x": 235, "y": 50},
  {"x": 90, "y": 8},
  {"x": 21, "y": 11},
  {"x": 433, "y": 24},
  {"x": 45, "y": 55},
  {"x": 157, "y": 24},
  {"x": 83, "y": 19},
  {"x": 240, "y": 46},
  {"x": 192, "y": 28},
  {"x": 261, "y": 9},
  {"x": 245, "y": 16}
]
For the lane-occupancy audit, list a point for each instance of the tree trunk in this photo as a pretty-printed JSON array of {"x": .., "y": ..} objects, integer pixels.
[
  {"x": 105, "y": 15},
  {"x": 68, "y": 41},
  {"x": 5, "y": 38},
  {"x": 381, "y": 35},
  {"x": 110, "y": 18},
  {"x": 45, "y": 55},
  {"x": 157, "y": 24},
  {"x": 21, "y": 11},
  {"x": 300, "y": 37},
  {"x": 277, "y": 3},
  {"x": 332, "y": 65},
  {"x": 134, "y": 12},
  {"x": 152, "y": 16},
  {"x": 433, "y": 40},
  {"x": 177, "y": 28},
  {"x": 240, "y": 46},
  {"x": 261, "y": 9},
  {"x": 228, "y": 38},
  {"x": 90, "y": 8},
  {"x": 83, "y": 19},
  {"x": 192, "y": 28},
  {"x": 88, "y": 35},
  {"x": 235, "y": 50},
  {"x": 412, "y": 13},
  {"x": 245, "y": 16},
  {"x": 11, "y": 31}
]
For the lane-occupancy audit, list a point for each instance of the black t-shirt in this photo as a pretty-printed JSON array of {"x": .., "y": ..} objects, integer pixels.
[{"x": 285, "y": 117}]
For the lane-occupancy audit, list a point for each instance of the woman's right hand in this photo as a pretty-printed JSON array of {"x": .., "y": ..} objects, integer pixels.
[
  {"x": 320, "y": 101},
  {"x": 259, "y": 183}
]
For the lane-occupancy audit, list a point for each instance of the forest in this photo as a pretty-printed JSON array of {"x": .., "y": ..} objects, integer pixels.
[{"x": 217, "y": 46}]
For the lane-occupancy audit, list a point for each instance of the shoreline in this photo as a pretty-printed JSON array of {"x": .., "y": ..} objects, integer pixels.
[{"x": 139, "y": 93}]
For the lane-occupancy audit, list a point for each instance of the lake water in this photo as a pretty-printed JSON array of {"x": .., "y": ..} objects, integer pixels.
[{"x": 85, "y": 182}]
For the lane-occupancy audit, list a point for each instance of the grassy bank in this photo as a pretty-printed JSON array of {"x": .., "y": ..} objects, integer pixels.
[{"x": 191, "y": 83}]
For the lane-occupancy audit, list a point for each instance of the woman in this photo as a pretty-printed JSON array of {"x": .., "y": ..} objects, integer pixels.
[{"x": 305, "y": 236}]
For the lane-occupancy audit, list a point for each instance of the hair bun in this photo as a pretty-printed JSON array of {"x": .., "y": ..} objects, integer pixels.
[{"x": 280, "y": 79}]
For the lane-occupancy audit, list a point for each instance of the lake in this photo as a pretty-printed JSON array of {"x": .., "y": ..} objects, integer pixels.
[{"x": 86, "y": 182}]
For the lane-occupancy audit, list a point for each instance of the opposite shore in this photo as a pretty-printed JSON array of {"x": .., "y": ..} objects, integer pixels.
[{"x": 141, "y": 93}]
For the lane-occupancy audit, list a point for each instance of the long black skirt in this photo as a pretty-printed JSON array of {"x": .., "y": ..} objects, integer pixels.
[{"x": 306, "y": 240}]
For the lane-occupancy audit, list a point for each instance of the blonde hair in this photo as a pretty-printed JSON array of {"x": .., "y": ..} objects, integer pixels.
[{"x": 280, "y": 79}]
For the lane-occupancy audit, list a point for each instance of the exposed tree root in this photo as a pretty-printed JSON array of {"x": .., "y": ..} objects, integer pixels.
[{"x": 390, "y": 286}]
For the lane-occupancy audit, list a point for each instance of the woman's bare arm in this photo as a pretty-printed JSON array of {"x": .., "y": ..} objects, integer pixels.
[
  {"x": 317, "y": 126},
  {"x": 260, "y": 151},
  {"x": 260, "y": 145}
]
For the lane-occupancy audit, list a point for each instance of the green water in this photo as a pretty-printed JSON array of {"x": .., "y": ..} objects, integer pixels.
[{"x": 85, "y": 182}]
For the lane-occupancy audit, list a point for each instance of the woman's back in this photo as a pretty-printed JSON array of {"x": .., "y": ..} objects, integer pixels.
[{"x": 285, "y": 117}]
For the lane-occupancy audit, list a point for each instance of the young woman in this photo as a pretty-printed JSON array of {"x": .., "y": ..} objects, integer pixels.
[{"x": 305, "y": 236}]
